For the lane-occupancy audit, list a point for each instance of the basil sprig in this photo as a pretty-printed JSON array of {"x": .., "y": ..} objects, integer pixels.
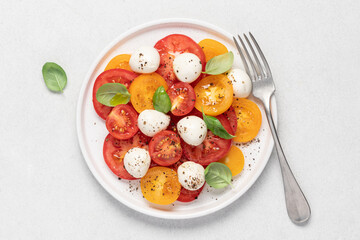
[
  {"x": 219, "y": 64},
  {"x": 215, "y": 126},
  {"x": 218, "y": 175},
  {"x": 54, "y": 77},
  {"x": 161, "y": 100},
  {"x": 112, "y": 94}
]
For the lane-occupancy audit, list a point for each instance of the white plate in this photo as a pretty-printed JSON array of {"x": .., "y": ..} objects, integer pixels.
[{"x": 92, "y": 131}]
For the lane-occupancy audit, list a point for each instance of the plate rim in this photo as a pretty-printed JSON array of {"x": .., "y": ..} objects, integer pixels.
[{"x": 159, "y": 214}]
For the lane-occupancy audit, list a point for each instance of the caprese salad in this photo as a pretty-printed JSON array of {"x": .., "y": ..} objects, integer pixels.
[{"x": 172, "y": 111}]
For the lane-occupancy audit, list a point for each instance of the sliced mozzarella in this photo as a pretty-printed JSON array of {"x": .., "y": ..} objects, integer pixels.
[
  {"x": 241, "y": 82},
  {"x": 145, "y": 60},
  {"x": 192, "y": 130},
  {"x": 137, "y": 162},
  {"x": 150, "y": 122},
  {"x": 187, "y": 67},
  {"x": 191, "y": 175}
]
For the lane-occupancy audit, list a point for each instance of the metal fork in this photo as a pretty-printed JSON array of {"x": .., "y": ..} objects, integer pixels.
[{"x": 297, "y": 206}]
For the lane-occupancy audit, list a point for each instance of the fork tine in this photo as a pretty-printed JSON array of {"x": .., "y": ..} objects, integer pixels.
[
  {"x": 261, "y": 54},
  {"x": 258, "y": 65},
  {"x": 242, "y": 57},
  {"x": 249, "y": 58}
]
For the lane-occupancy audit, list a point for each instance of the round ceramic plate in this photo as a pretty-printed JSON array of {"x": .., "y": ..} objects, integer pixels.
[{"x": 92, "y": 131}]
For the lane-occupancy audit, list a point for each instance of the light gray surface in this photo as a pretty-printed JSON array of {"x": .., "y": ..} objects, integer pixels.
[{"x": 46, "y": 189}]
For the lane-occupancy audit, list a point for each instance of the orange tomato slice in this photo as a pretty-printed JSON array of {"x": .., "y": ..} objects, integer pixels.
[
  {"x": 214, "y": 94},
  {"x": 234, "y": 160},
  {"x": 249, "y": 119},
  {"x": 212, "y": 48},
  {"x": 142, "y": 90},
  {"x": 160, "y": 185},
  {"x": 120, "y": 61}
]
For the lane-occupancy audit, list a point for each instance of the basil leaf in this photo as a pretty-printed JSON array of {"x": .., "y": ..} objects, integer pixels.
[
  {"x": 219, "y": 64},
  {"x": 218, "y": 175},
  {"x": 112, "y": 94},
  {"x": 161, "y": 100},
  {"x": 54, "y": 77},
  {"x": 215, "y": 126}
]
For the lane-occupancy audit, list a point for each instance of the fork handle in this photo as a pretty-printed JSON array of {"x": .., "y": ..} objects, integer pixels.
[{"x": 297, "y": 206}]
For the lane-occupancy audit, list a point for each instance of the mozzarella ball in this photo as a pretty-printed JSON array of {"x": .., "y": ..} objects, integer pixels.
[
  {"x": 191, "y": 175},
  {"x": 187, "y": 67},
  {"x": 150, "y": 122},
  {"x": 145, "y": 60},
  {"x": 241, "y": 82},
  {"x": 137, "y": 162},
  {"x": 192, "y": 130}
]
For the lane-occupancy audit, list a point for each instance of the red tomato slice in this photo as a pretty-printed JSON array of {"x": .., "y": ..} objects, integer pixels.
[
  {"x": 114, "y": 151},
  {"x": 110, "y": 76},
  {"x": 225, "y": 122},
  {"x": 122, "y": 122},
  {"x": 171, "y": 46},
  {"x": 196, "y": 112},
  {"x": 212, "y": 149},
  {"x": 182, "y": 98},
  {"x": 188, "y": 196},
  {"x": 231, "y": 117},
  {"x": 153, "y": 164},
  {"x": 173, "y": 122},
  {"x": 165, "y": 148}
]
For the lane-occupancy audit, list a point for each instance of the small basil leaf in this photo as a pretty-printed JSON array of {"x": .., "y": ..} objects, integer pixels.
[
  {"x": 112, "y": 94},
  {"x": 215, "y": 126},
  {"x": 54, "y": 77},
  {"x": 120, "y": 99},
  {"x": 219, "y": 64},
  {"x": 161, "y": 100},
  {"x": 217, "y": 175}
]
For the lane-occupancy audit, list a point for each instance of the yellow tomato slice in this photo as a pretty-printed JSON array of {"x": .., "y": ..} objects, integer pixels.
[
  {"x": 234, "y": 160},
  {"x": 160, "y": 185},
  {"x": 212, "y": 48},
  {"x": 249, "y": 119},
  {"x": 120, "y": 61},
  {"x": 214, "y": 94},
  {"x": 142, "y": 90}
]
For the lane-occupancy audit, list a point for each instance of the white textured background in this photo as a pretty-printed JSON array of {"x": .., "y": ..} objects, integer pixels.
[{"x": 46, "y": 189}]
